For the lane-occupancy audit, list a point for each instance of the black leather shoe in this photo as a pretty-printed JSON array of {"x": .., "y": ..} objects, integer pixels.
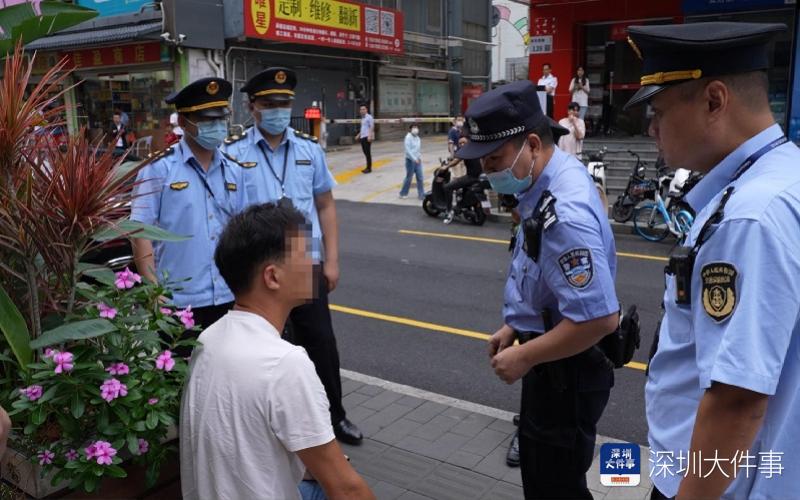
[
  {"x": 515, "y": 420},
  {"x": 512, "y": 457},
  {"x": 347, "y": 432},
  {"x": 366, "y": 171}
]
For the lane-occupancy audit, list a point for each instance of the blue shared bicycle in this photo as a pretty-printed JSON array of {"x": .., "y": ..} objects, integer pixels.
[{"x": 654, "y": 221}]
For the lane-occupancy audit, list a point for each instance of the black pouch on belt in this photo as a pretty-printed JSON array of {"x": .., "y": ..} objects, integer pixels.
[{"x": 620, "y": 345}]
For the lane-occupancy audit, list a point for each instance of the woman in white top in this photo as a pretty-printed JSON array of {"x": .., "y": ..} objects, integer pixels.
[{"x": 579, "y": 87}]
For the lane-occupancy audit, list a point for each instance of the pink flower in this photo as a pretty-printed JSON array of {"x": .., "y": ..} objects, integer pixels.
[
  {"x": 152, "y": 401},
  {"x": 63, "y": 361},
  {"x": 106, "y": 311},
  {"x": 101, "y": 450},
  {"x": 118, "y": 369},
  {"x": 186, "y": 316},
  {"x": 71, "y": 455},
  {"x": 32, "y": 392},
  {"x": 113, "y": 389},
  {"x": 166, "y": 310},
  {"x": 143, "y": 446},
  {"x": 127, "y": 279},
  {"x": 49, "y": 353},
  {"x": 165, "y": 361},
  {"x": 46, "y": 457}
]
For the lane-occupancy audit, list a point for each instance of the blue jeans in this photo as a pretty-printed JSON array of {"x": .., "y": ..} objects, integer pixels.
[
  {"x": 582, "y": 112},
  {"x": 413, "y": 168},
  {"x": 311, "y": 490}
]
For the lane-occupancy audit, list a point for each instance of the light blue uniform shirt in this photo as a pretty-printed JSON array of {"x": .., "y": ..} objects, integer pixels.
[
  {"x": 741, "y": 328},
  {"x": 367, "y": 122},
  {"x": 174, "y": 198},
  {"x": 413, "y": 146},
  {"x": 574, "y": 276},
  {"x": 306, "y": 177}
]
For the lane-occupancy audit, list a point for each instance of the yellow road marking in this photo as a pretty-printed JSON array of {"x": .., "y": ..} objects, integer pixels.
[
  {"x": 347, "y": 175},
  {"x": 396, "y": 187},
  {"x": 434, "y": 327},
  {"x": 505, "y": 242}
]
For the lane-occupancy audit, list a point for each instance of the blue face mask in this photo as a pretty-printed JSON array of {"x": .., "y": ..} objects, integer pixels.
[
  {"x": 210, "y": 134},
  {"x": 504, "y": 181},
  {"x": 275, "y": 120}
]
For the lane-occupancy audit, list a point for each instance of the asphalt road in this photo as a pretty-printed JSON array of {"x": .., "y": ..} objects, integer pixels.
[{"x": 392, "y": 279}]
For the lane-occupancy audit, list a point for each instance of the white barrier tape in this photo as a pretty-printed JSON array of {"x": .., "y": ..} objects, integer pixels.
[{"x": 354, "y": 121}]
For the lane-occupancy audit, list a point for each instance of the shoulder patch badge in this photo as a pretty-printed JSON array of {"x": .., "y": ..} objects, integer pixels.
[
  {"x": 179, "y": 186},
  {"x": 577, "y": 267},
  {"x": 719, "y": 290}
]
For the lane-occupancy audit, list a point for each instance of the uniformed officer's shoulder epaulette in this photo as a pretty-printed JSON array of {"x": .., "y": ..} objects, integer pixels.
[
  {"x": 305, "y": 136},
  {"x": 157, "y": 155},
  {"x": 235, "y": 138},
  {"x": 243, "y": 164}
]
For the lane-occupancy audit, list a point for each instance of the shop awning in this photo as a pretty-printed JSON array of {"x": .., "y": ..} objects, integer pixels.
[{"x": 71, "y": 40}]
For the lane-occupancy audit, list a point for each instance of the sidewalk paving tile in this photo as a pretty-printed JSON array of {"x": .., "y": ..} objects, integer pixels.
[
  {"x": 349, "y": 386},
  {"x": 464, "y": 459},
  {"x": 486, "y": 441},
  {"x": 410, "y": 401},
  {"x": 514, "y": 475},
  {"x": 370, "y": 390},
  {"x": 374, "y": 423},
  {"x": 354, "y": 399},
  {"x": 410, "y": 495},
  {"x": 448, "y": 482},
  {"x": 413, "y": 444},
  {"x": 494, "y": 464},
  {"x": 359, "y": 414},
  {"x": 445, "y": 446},
  {"x": 398, "y": 467},
  {"x": 382, "y": 400},
  {"x": 364, "y": 452},
  {"x": 426, "y": 411},
  {"x": 397, "y": 431},
  {"x": 456, "y": 413},
  {"x": 472, "y": 424},
  {"x": 503, "y": 426},
  {"x": 386, "y": 491},
  {"x": 504, "y": 491},
  {"x": 436, "y": 427}
]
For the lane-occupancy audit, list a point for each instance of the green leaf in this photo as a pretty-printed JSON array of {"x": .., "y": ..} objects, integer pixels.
[
  {"x": 13, "y": 324},
  {"x": 139, "y": 426},
  {"x": 133, "y": 444},
  {"x": 48, "y": 395},
  {"x": 38, "y": 415},
  {"x": 166, "y": 419},
  {"x": 91, "y": 483},
  {"x": 129, "y": 228},
  {"x": 21, "y": 21},
  {"x": 29, "y": 429},
  {"x": 152, "y": 420},
  {"x": 116, "y": 470},
  {"x": 85, "y": 329},
  {"x": 101, "y": 273},
  {"x": 77, "y": 406}
]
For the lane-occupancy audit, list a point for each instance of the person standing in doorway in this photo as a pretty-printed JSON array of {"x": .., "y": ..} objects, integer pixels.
[
  {"x": 281, "y": 162},
  {"x": 118, "y": 134},
  {"x": 549, "y": 82},
  {"x": 413, "y": 150},
  {"x": 572, "y": 142},
  {"x": 366, "y": 136},
  {"x": 579, "y": 87}
]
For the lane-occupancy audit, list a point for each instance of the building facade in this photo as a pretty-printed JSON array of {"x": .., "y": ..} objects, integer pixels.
[
  {"x": 510, "y": 39},
  {"x": 592, "y": 34}
]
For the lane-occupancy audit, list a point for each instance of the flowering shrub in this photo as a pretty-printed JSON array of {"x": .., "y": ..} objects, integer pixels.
[{"x": 106, "y": 393}]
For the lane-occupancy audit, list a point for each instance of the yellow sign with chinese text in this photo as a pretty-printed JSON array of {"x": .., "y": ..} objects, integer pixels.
[
  {"x": 328, "y": 13},
  {"x": 259, "y": 9}
]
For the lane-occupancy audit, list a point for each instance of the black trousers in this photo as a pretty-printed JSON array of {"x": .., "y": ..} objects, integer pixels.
[
  {"x": 657, "y": 495},
  {"x": 549, "y": 110},
  {"x": 366, "y": 147},
  {"x": 311, "y": 328},
  {"x": 204, "y": 317},
  {"x": 451, "y": 186},
  {"x": 558, "y": 431}
]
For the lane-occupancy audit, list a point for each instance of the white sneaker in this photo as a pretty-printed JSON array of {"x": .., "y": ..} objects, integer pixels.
[
  {"x": 403, "y": 196},
  {"x": 448, "y": 218}
]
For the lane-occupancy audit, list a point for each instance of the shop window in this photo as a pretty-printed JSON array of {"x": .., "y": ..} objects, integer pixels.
[{"x": 433, "y": 15}]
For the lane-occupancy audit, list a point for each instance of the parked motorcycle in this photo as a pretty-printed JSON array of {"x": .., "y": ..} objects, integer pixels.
[
  {"x": 471, "y": 202},
  {"x": 597, "y": 169},
  {"x": 639, "y": 188}
]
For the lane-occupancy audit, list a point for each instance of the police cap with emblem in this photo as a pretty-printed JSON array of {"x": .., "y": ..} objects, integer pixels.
[
  {"x": 207, "y": 97},
  {"x": 500, "y": 114},
  {"x": 676, "y": 53},
  {"x": 275, "y": 84}
]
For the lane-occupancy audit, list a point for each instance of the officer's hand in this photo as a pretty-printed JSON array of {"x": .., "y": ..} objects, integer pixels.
[
  {"x": 510, "y": 364},
  {"x": 502, "y": 338},
  {"x": 331, "y": 272}
]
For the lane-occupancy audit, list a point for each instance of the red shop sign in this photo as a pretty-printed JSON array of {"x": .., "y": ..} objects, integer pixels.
[
  {"x": 122, "y": 55},
  {"x": 333, "y": 23}
]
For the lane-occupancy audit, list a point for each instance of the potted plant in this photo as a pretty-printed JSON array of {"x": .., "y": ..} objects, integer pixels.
[{"x": 86, "y": 367}]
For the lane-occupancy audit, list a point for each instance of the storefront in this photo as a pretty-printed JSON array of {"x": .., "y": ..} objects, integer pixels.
[{"x": 593, "y": 35}]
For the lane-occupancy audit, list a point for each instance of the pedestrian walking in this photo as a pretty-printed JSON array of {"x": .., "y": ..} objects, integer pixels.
[
  {"x": 191, "y": 188},
  {"x": 413, "y": 154},
  {"x": 549, "y": 82},
  {"x": 722, "y": 384},
  {"x": 453, "y": 135},
  {"x": 366, "y": 135},
  {"x": 572, "y": 142},
  {"x": 559, "y": 297},
  {"x": 579, "y": 88},
  {"x": 249, "y": 387},
  {"x": 284, "y": 163}
]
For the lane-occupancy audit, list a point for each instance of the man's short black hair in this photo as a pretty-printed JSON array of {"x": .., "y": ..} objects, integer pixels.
[
  {"x": 547, "y": 64},
  {"x": 573, "y": 105},
  {"x": 253, "y": 238}
]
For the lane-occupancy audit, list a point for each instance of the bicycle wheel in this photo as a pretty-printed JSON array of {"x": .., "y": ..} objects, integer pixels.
[
  {"x": 683, "y": 222},
  {"x": 649, "y": 222}
]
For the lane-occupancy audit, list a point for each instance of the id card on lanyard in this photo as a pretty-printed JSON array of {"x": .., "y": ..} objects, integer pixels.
[{"x": 224, "y": 209}]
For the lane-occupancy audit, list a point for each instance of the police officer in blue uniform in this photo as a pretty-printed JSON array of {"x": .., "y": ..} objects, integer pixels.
[
  {"x": 191, "y": 189},
  {"x": 559, "y": 297},
  {"x": 721, "y": 396},
  {"x": 281, "y": 162}
]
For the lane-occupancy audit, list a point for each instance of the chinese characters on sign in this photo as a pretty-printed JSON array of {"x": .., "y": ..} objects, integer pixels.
[
  {"x": 620, "y": 464},
  {"x": 334, "y": 23},
  {"x": 139, "y": 53},
  {"x": 685, "y": 463},
  {"x": 541, "y": 44}
]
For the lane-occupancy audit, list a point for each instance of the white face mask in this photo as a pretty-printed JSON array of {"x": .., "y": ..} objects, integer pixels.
[{"x": 415, "y": 131}]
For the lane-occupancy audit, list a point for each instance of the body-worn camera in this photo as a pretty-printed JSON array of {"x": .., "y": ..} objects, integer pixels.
[
  {"x": 681, "y": 265},
  {"x": 532, "y": 232}
]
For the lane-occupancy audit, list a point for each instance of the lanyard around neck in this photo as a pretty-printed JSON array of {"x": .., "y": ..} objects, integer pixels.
[
  {"x": 203, "y": 179},
  {"x": 282, "y": 179}
]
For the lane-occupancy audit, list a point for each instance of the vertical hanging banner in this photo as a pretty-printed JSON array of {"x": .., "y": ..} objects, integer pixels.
[{"x": 333, "y": 23}]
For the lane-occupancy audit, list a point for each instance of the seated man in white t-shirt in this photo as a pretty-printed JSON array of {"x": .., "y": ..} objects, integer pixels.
[{"x": 254, "y": 414}]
